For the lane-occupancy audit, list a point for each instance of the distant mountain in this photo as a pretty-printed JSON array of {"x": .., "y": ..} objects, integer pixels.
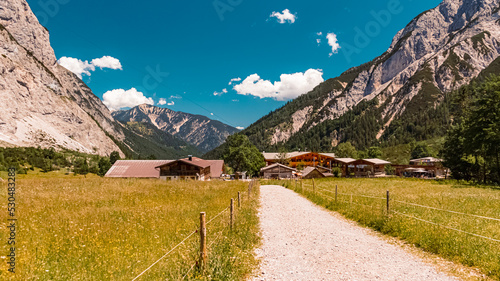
[
  {"x": 399, "y": 96},
  {"x": 203, "y": 133},
  {"x": 42, "y": 104}
]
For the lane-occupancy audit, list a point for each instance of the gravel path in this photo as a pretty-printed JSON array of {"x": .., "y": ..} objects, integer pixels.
[{"x": 302, "y": 241}]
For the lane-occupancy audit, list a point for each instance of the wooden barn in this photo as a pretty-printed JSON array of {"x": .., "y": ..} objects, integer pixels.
[
  {"x": 191, "y": 168},
  {"x": 278, "y": 171}
]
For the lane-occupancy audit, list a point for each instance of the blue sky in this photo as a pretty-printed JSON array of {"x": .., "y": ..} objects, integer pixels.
[{"x": 183, "y": 54}]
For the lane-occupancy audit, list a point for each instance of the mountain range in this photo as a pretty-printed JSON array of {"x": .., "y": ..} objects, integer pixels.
[
  {"x": 45, "y": 105},
  {"x": 399, "y": 96}
]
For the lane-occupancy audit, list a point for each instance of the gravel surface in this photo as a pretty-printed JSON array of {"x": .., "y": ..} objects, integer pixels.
[{"x": 302, "y": 241}]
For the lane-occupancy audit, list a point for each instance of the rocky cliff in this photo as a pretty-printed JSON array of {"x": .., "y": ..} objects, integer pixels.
[
  {"x": 42, "y": 103},
  {"x": 199, "y": 131},
  {"x": 437, "y": 52}
]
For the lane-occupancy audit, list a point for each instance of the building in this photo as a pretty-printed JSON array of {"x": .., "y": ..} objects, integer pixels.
[
  {"x": 278, "y": 171},
  {"x": 368, "y": 167},
  {"x": 191, "y": 168},
  {"x": 135, "y": 169},
  {"x": 316, "y": 173},
  {"x": 429, "y": 161},
  {"x": 297, "y": 158},
  {"x": 343, "y": 164}
]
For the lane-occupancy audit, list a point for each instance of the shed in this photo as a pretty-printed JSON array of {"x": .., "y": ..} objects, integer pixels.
[
  {"x": 277, "y": 171},
  {"x": 312, "y": 173}
]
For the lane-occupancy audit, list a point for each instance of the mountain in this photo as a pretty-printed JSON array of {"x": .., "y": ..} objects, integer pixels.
[
  {"x": 203, "y": 133},
  {"x": 400, "y": 96},
  {"x": 45, "y": 105}
]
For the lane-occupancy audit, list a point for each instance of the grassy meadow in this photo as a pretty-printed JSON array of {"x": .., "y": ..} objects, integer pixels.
[
  {"x": 453, "y": 245},
  {"x": 92, "y": 228}
]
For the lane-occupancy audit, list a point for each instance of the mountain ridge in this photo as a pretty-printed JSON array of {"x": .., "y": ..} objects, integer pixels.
[
  {"x": 379, "y": 101},
  {"x": 198, "y": 130}
]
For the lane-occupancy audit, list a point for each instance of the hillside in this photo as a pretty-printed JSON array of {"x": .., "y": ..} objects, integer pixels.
[
  {"x": 400, "y": 95},
  {"x": 201, "y": 132}
]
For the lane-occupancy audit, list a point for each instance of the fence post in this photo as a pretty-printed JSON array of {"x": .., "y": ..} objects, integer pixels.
[
  {"x": 232, "y": 213},
  {"x": 388, "y": 204},
  {"x": 239, "y": 200},
  {"x": 314, "y": 188},
  {"x": 301, "y": 185},
  {"x": 203, "y": 242},
  {"x": 336, "y": 192}
]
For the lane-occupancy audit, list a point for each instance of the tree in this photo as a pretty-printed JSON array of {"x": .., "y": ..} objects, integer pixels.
[
  {"x": 471, "y": 149},
  {"x": 81, "y": 166},
  {"x": 113, "y": 157},
  {"x": 242, "y": 155},
  {"x": 282, "y": 157},
  {"x": 104, "y": 166},
  {"x": 346, "y": 150},
  {"x": 374, "y": 152},
  {"x": 420, "y": 151}
]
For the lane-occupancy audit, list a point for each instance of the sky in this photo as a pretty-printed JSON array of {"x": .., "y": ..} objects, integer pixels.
[{"x": 230, "y": 60}]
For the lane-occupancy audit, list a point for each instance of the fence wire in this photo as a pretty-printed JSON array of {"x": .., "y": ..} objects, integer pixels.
[{"x": 447, "y": 227}]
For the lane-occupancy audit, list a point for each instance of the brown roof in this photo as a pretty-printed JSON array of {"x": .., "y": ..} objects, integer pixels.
[
  {"x": 276, "y": 165},
  {"x": 136, "y": 169},
  {"x": 216, "y": 166}
]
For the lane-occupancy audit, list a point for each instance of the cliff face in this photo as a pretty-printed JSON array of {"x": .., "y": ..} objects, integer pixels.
[
  {"x": 200, "y": 131},
  {"x": 42, "y": 103},
  {"x": 437, "y": 52}
]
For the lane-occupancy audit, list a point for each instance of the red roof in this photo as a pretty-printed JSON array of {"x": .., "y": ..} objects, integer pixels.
[{"x": 136, "y": 169}]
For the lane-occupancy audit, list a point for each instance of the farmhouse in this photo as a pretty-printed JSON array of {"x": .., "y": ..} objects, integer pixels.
[
  {"x": 298, "y": 158},
  {"x": 428, "y": 167},
  {"x": 192, "y": 168},
  {"x": 188, "y": 168},
  {"x": 277, "y": 171}
]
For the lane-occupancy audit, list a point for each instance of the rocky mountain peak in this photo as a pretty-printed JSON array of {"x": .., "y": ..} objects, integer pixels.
[{"x": 17, "y": 17}]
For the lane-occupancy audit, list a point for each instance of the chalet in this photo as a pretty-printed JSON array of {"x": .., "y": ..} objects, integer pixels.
[
  {"x": 369, "y": 167},
  {"x": 192, "y": 168},
  {"x": 428, "y": 167},
  {"x": 277, "y": 171},
  {"x": 298, "y": 158},
  {"x": 428, "y": 161}
]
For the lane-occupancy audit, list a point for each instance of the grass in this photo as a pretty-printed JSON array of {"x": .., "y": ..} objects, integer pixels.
[
  {"x": 452, "y": 245},
  {"x": 77, "y": 228}
]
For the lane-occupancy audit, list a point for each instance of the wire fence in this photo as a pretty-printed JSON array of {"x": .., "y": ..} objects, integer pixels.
[
  {"x": 203, "y": 225},
  {"x": 321, "y": 191}
]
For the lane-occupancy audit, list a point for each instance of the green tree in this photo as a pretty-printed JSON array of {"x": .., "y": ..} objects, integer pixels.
[
  {"x": 104, "y": 166},
  {"x": 374, "y": 152},
  {"x": 420, "y": 150},
  {"x": 282, "y": 157},
  {"x": 346, "y": 150},
  {"x": 113, "y": 157},
  {"x": 242, "y": 155},
  {"x": 81, "y": 166}
]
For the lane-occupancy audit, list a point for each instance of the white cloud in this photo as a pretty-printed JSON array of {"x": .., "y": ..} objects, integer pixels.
[
  {"x": 120, "y": 98},
  {"x": 318, "y": 41},
  {"x": 234, "y": 80},
  {"x": 284, "y": 16},
  {"x": 76, "y": 66},
  {"x": 320, "y": 33},
  {"x": 171, "y": 103},
  {"x": 240, "y": 128},
  {"x": 107, "y": 62},
  {"x": 162, "y": 102},
  {"x": 236, "y": 100},
  {"x": 175, "y": 97},
  {"x": 224, "y": 91},
  {"x": 289, "y": 87},
  {"x": 333, "y": 42},
  {"x": 212, "y": 114},
  {"x": 80, "y": 67}
]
